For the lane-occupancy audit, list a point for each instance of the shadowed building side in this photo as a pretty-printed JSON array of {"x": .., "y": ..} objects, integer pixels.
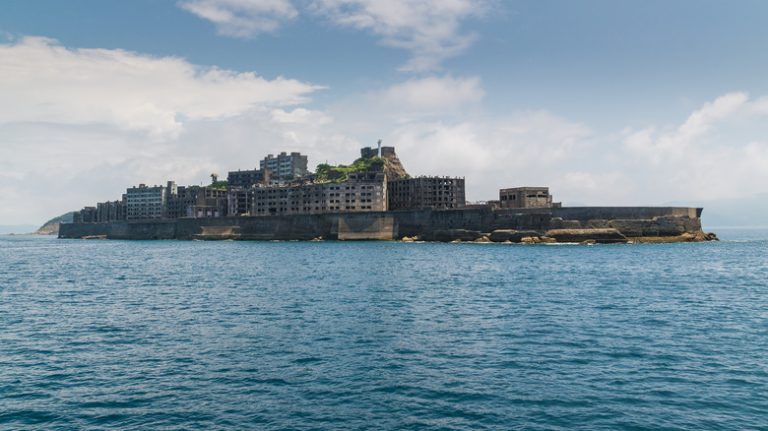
[{"x": 426, "y": 192}]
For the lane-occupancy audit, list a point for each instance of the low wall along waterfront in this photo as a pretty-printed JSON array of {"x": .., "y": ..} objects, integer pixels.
[{"x": 569, "y": 224}]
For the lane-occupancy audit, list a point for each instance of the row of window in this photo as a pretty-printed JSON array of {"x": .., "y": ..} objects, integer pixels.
[{"x": 309, "y": 209}]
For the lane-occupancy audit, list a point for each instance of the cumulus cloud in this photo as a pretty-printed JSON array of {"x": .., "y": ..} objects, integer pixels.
[
  {"x": 432, "y": 95},
  {"x": 42, "y": 81},
  {"x": 242, "y": 18},
  {"x": 680, "y": 141},
  {"x": 53, "y": 168},
  {"x": 423, "y": 100},
  {"x": 719, "y": 151},
  {"x": 300, "y": 116},
  {"x": 79, "y": 125},
  {"x": 429, "y": 29},
  {"x": 525, "y": 148}
]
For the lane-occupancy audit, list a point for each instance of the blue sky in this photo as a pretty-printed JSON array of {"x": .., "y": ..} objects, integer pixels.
[{"x": 608, "y": 102}]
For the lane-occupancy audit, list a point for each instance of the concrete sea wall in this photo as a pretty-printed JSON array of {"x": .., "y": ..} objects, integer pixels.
[{"x": 443, "y": 225}]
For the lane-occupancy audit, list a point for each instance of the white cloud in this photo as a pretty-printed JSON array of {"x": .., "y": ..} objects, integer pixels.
[
  {"x": 527, "y": 148},
  {"x": 719, "y": 151},
  {"x": 242, "y": 18},
  {"x": 682, "y": 140},
  {"x": 57, "y": 168},
  {"x": 429, "y": 29},
  {"x": 431, "y": 95},
  {"x": 79, "y": 125},
  {"x": 419, "y": 100},
  {"x": 42, "y": 81},
  {"x": 300, "y": 116}
]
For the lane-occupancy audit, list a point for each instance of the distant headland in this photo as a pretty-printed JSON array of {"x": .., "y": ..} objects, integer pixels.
[{"x": 373, "y": 198}]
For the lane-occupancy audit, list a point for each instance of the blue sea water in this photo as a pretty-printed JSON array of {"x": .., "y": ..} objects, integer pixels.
[{"x": 173, "y": 335}]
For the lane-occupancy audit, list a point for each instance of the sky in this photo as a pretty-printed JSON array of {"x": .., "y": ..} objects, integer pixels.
[{"x": 606, "y": 102}]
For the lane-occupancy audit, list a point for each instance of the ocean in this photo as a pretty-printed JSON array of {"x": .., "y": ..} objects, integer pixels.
[{"x": 174, "y": 335}]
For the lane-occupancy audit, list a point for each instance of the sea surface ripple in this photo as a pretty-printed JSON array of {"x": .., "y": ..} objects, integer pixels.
[{"x": 172, "y": 335}]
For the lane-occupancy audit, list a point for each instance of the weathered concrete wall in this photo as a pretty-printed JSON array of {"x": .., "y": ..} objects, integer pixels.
[
  {"x": 360, "y": 228},
  {"x": 79, "y": 230},
  {"x": 589, "y": 213},
  {"x": 630, "y": 221}
]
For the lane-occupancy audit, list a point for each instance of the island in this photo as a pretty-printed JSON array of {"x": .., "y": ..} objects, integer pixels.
[{"x": 373, "y": 198}]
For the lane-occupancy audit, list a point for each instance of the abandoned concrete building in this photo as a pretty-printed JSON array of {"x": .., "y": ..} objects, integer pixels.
[
  {"x": 526, "y": 197},
  {"x": 197, "y": 202},
  {"x": 247, "y": 178},
  {"x": 283, "y": 186},
  {"x": 85, "y": 215},
  {"x": 144, "y": 202},
  {"x": 285, "y": 167},
  {"x": 362, "y": 191},
  {"x": 110, "y": 210},
  {"x": 426, "y": 192},
  {"x": 368, "y": 152}
]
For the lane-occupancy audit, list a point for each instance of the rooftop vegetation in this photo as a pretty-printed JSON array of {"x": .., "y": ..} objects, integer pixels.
[
  {"x": 339, "y": 173},
  {"x": 219, "y": 185}
]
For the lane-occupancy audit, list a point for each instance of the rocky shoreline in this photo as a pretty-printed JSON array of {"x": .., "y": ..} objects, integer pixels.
[{"x": 580, "y": 236}]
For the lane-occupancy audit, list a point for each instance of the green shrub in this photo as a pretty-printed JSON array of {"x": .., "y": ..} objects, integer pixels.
[{"x": 340, "y": 173}]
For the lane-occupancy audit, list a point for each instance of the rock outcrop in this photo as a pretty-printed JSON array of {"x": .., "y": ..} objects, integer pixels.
[
  {"x": 448, "y": 235},
  {"x": 657, "y": 226},
  {"x": 599, "y": 236},
  {"x": 699, "y": 236},
  {"x": 394, "y": 168},
  {"x": 511, "y": 235}
]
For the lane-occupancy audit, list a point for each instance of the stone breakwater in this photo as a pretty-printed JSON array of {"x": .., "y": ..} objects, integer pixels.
[{"x": 569, "y": 224}]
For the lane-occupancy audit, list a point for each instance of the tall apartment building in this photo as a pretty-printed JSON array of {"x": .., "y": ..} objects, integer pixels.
[
  {"x": 426, "y": 192},
  {"x": 526, "y": 197},
  {"x": 362, "y": 191},
  {"x": 285, "y": 167},
  {"x": 145, "y": 202}
]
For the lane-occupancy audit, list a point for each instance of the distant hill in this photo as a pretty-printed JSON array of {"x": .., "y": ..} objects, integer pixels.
[{"x": 51, "y": 227}]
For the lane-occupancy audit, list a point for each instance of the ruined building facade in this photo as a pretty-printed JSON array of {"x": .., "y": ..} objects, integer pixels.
[
  {"x": 362, "y": 191},
  {"x": 426, "y": 192},
  {"x": 285, "y": 167},
  {"x": 197, "y": 202},
  {"x": 283, "y": 186},
  {"x": 525, "y": 197},
  {"x": 247, "y": 178}
]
